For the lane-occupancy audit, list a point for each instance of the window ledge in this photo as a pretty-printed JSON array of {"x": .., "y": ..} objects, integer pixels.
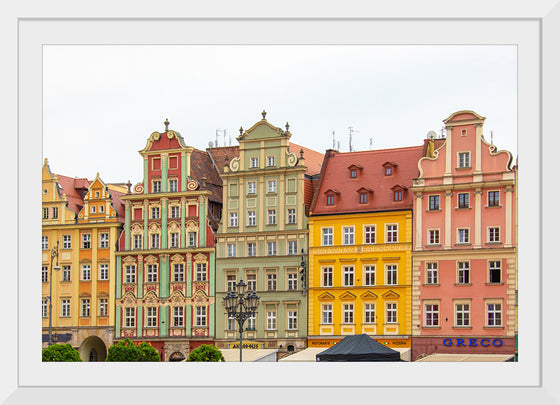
[
  {"x": 463, "y": 284},
  {"x": 429, "y": 210},
  {"x": 493, "y": 327},
  {"x": 500, "y": 283},
  {"x": 493, "y": 243},
  {"x": 464, "y": 168},
  {"x": 493, "y": 206},
  {"x": 463, "y": 244},
  {"x": 461, "y": 327},
  {"x": 431, "y": 285},
  {"x": 462, "y": 208},
  {"x": 433, "y": 245},
  {"x": 431, "y": 327}
]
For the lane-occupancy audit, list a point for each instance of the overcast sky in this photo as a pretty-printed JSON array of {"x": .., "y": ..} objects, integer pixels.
[{"x": 101, "y": 103}]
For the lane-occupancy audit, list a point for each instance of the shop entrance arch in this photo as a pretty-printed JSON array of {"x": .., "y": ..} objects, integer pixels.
[{"x": 93, "y": 349}]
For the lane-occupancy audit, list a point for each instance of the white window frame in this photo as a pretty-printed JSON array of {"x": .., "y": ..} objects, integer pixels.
[
  {"x": 292, "y": 282},
  {"x": 154, "y": 240},
  {"x": 270, "y": 161},
  {"x": 65, "y": 308},
  {"x": 493, "y": 234},
  {"x": 271, "y": 281},
  {"x": 231, "y": 281},
  {"x": 495, "y": 203},
  {"x": 348, "y": 276},
  {"x": 156, "y": 186},
  {"x": 129, "y": 317},
  {"x": 173, "y": 184},
  {"x": 251, "y": 187},
  {"x": 463, "y": 272},
  {"x": 391, "y": 274},
  {"x": 178, "y": 272},
  {"x": 66, "y": 241},
  {"x": 251, "y": 281},
  {"x": 103, "y": 307},
  {"x": 463, "y": 160},
  {"x": 174, "y": 240},
  {"x": 44, "y": 308},
  {"x": 85, "y": 307},
  {"x": 152, "y": 273},
  {"x": 175, "y": 211},
  {"x": 104, "y": 240},
  {"x": 494, "y": 314},
  {"x": 251, "y": 218},
  {"x": 45, "y": 243},
  {"x": 369, "y": 234},
  {"x": 193, "y": 239},
  {"x": 232, "y": 250},
  {"x": 391, "y": 233},
  {"x": 233, "y": 219},
  {"x": 391, "y": 312},
  {"x": 254, "y": 162},
  {"x": 271, "y": 249},
  {"x": 462, "y": 314},
  {"x": 86, "y": 241},
  {"x": 138, "y": 242},
  {"x": 201, "y": 272},
  {"x": 104, "y": 271},
  {"x": 348, "y": 235},
  {"x": 85, "y": 272},
  {"x": 327, "y": 276},
  {"x": 292, "y": 247},
  {"x": 327, "y": 314},
  {"x": 291, "y": 215},
  {"x": 327, "y": 236},
  {"x": 130, "y": 274},
  {"x": 45, "y": 213},
  {"x": 271, "y": 320},
  {"x": 292, "y": 320},
  {"x": 433, "y": 237},
  {"x": 272, "y": 217},
  {"x": 432, "y": 274},
  {"x": 463, "y": 236},
  {"x": 178, "y": 317},
  {"x": 466, "y": 200},
  {"x": 271, "y": 186},
  {"x": 369, "y": 275},
  {"x": 348, "y": 313},
  {"x": 66, "y": 272},
  {"x": 431, "y": 314},
  {"x": 45, "y": 274},
  {"x": 495, "y": 266},
  {"x": 155, "y": 213},
  {"x": 369, "y": 313},
  {"x": 433, "y": 202},
  {"x": 251, "y": 249},
  {"x": 151, "y": 317}
]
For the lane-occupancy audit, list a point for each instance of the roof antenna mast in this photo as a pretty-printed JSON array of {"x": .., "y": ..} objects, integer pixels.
[{"x": 350, "y": 138}]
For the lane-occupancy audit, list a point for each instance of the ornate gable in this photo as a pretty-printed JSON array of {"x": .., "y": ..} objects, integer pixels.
[
  {"x": 347, "y": 295},
  {"x": 368, "y": 295},
  {"x": 263, "y": 129},
  {"x": 326, "y": 296},
  {"x": 391, "y": 295}
]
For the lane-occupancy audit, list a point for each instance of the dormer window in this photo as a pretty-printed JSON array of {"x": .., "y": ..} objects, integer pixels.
[
  {"x": 354, "y": 171},
  {"x": 398, "y": 192},
  {"x": 364, "y": 194},
  {"x": 389, "y": 168},
  {"x": 332, "y": 196}
]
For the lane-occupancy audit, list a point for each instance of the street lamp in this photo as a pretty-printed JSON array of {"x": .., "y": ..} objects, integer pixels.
[
  {"x": 241, "y": 306},
  {"x": 54, "y": 253}
]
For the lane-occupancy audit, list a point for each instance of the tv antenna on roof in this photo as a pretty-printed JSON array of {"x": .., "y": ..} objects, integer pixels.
[
  {"x": 431, "y": 135},
  {"x": 350, "y": 138}
]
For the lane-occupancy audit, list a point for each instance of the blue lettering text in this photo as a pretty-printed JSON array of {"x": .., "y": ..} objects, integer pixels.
[
  {"x": 482, "y": 342},
  {"x": 472, "y": 342},
  {"x": 447, "y": 342}
]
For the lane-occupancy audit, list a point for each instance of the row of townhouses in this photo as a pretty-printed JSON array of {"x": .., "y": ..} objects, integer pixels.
[{"x": 413, "y": 246}]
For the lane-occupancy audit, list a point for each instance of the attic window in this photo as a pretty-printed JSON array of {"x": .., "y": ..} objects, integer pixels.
[
  {"x": 331, "y": 196},
  {"x": 354, "y": 171},
  {"x": 389, "y": 168},
  {"x": 330, "y": 199},
  {"x": 97, "y": 194},
  {"x": 388, "y": 171},
  {"x": 364, "y": 194},
  {"x": 398, "y": 195},
  {"x": 398, "y": 192}
]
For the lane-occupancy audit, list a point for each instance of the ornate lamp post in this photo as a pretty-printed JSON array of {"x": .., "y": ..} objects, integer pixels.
[
  {"x": 241, "y": 306},
  {"x": 54, "y": 253}
]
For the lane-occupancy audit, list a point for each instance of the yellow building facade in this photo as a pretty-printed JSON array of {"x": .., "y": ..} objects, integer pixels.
[
  {"x": 361, "y": 285},
  {"x": 80, "y": 227}
]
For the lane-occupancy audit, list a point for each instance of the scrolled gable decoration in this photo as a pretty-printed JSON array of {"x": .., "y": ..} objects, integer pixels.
[{"x": 151, "y": 260}]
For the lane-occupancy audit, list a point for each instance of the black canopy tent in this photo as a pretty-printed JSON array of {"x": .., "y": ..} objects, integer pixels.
[{"x": 359, "y": 348}]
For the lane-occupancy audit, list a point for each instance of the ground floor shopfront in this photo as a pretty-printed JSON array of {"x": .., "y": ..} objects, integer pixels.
[
  {"x": 174, "y": 349},
  {"x": 394, "y": 342},
  {"x": 91, "y": 342},
  {"x": 424, "y": 346},
  {"x": 283, "y": 345}
]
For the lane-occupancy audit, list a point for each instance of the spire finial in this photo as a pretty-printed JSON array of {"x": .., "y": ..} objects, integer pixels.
[
  {"x": 240, "y": 130},
  {"x": 301, "y": 153},
  {"x": 46, "y": 161},
  {"x": 264, "y": 115},
  {"x": 287, "y": 126},
  {"x": 166, "y": 123},
  {"x": 128, "y": 184}
]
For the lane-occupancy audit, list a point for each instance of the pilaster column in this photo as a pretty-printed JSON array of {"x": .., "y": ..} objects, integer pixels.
[
  {"x": 140, "y": 261},
  {"x": 164, "y": 177},
  {"x": 163, "y": 223},
  {"x": 146, "y": 216},
  {"x": 182, "y": 222},
  {"x": 447, "y": 179},
  {"x": 448, "y": 208},
  {"x": 478, "y": 149},
  {"x": 146, "y": 179},
  {"x": 509, "y": 217},
  {"x": 419, "y": 212},
  {"x": 164, "y": 275},
  {"x": 126, "y": 225},
  {"x": 139, "y": 320},
  {"x": 184, "y": 176},
  {"x": 202, "y": 201},
  {"x": 477, "y": 218}
]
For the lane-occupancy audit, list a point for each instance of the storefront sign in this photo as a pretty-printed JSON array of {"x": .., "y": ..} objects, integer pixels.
[
  {"x": 321, "y": 343},
  {"x": 394, "y": 342},
  {"x": 472, "y": 342},
  {"x": 247, "y": 345}
]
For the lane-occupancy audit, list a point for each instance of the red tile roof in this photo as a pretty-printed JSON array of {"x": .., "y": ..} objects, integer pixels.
[
  {"x": 335, "y": 175},
  {"x": 75, "y": 189},
  {"x": 202, "y": 166}
]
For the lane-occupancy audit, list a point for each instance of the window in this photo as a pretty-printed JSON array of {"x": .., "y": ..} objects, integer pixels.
[
  {"x": 327, "y": 236},
  {"x": 151, "y": 273},
  {"x": 391, "y": 272},
  {"x": 129, "y": 274},
  {"x": 353, "y": 173},
  {"x": 103, "y": 307},
  {"x": 251, "y": 321},
  {"x": 93, "y": 209},
  {"x": 200, "y": 316},
  {"x": 251, "y": 218},
  {"x": 494, "y": 312},
  {"x": 65, "y": 308},
  {"x": 192, "y": 239},
  {"x": 230, "y": 323},
  {"x": 151, "y": 317},
  {"x": 464, "y": 159},
  {"x": 45, "y": 274},
  {"x": 292, "y": 247},
  {"x": 86, "y": 272},
  {"x": 175, "y": 211},
  {"x": 348, "y": 235},
  {"x": 45, "y": 242},
  {"x": 463, "y": 235},
  {"x": 271, "y": 248},
  {"x": 174, "y": 242},
  {"x": 392, "y": 234},
  {"x": 272, "y": 186},
  {"x": 270, "y": 161},
  {"x": 398, "y": 195},
  {"x": 84, "y": 311},
  {"x": 155, "y": 240},
  {"x": 493, "y": 198},
  {"x": 291, "y": 215},
  {"x": 463, "y": 200},
  {"x": 433, "y": 236},
  {"x": 173, "y": 185},
  {"x": 462, "y": 315},
  {"x": 254, "y": 162},
  {"x": 178, "y": 272},
  {"x": 103, "y": 240},
  {"x": 348, "y": 276},
  {"x": 434, "y": 202},
  {"x": 251, "y": 249},
  {"x": 45, "y": 213},
  {"x": 432, "y": 314},
  {"x": 137, "y": 241},
  {"x": 431, "y": 273},
  {"x": 327, "y": 314},
  {"x": 494, "y": 271},
  {"x": 271, "y": 281},
  {"x": 494, "y": 234},
  {"x": 232, "y": 249},
  {"x": 155, "y": 212},
  {"x": 66, "y": 241},
  {"x": 251, "y": 187},
  {"x": 233, "y": 219},
  {"x": 330, "y": 200},
  {"x": 391, "y": 308},
  {"x": 129, "y": 318},
  {"x": 251, "y": 282},
  {"x": 231, "y": 281},
  {"x": 463, "y": 276},
  {"x": 348, "y": 313},
  {"x": 157, "y": 186},
  {"x": 86, "y": 241},
  {"x": 327, "y": 276},
  {"x": 369, "y": 235},
  {"x": 369, "y": 275},
  {"x": 103, "y": 271},
  {"x": 388, "y": 171},
  {"x": 292, "y": 281},
  {"x": 101, "y": 208},
  {"x": 369, "y": 313},
  {"x": 271, "y": 217},
  {"x": 179, "y": 316},
  {"x": 292, "y": 320},
  {"x": 54, "y": 212},
  {"x": 201, "y": 272},
  {"x": 66, "y": 273},
  {"x": 44, "y": 308},
  {"x": 97, "y": 194},
  {"x": 363, "y": 198},
  {"x": 271, "y": 320}
]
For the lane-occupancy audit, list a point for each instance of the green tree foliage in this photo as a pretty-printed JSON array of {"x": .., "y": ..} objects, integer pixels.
[
  {"x": 59, "y": 352},
  {"x": 126, "y": 350},
  {"x": 206, "y": 353}
]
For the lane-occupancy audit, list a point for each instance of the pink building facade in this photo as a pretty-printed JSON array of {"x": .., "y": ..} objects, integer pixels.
[{"x": 464, "y": 249}]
